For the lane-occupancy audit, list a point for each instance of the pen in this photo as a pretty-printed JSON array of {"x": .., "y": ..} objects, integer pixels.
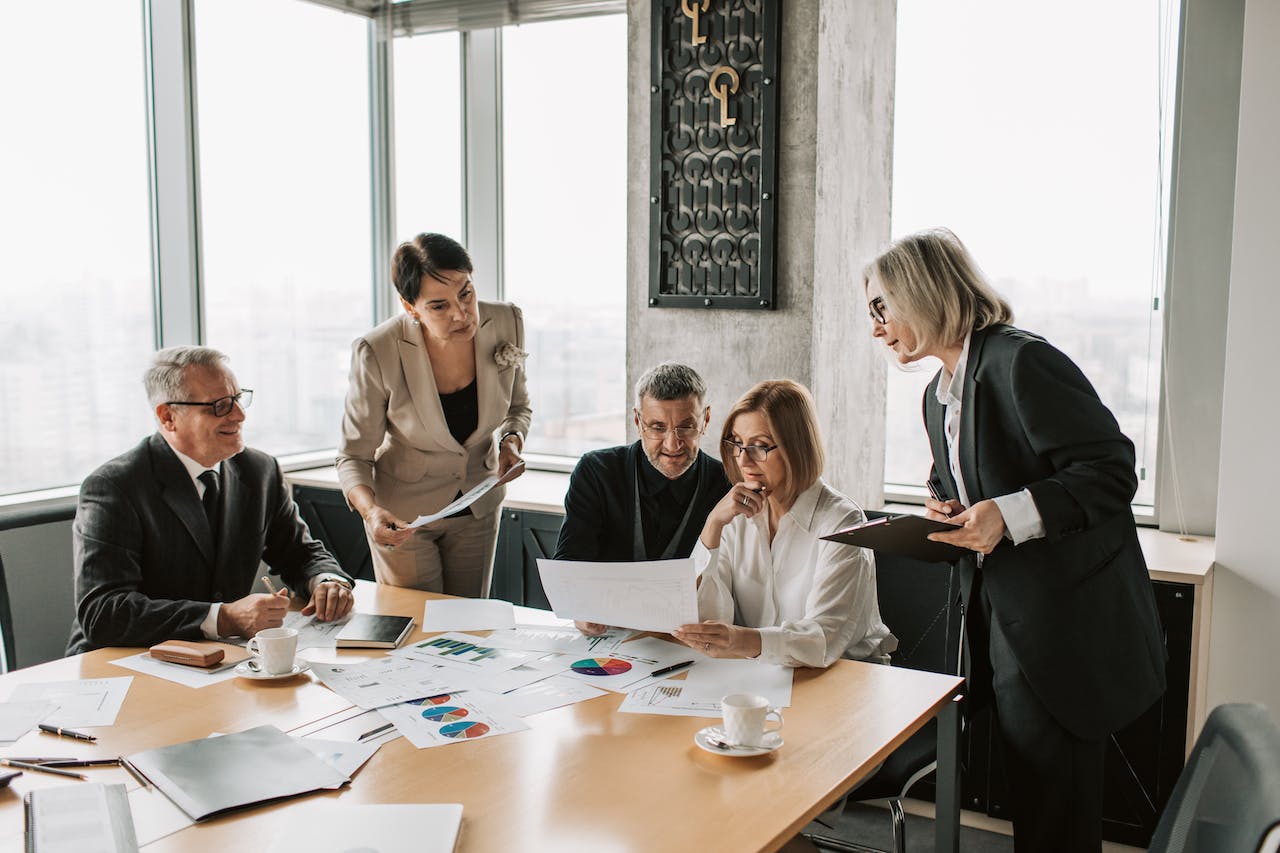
[
  {"x": 61, "y": 732},
  {"x": 933, "y": 493},
  {"x": 134, "y": 772},
  {"x": 40, "y": 768},
  {"x": 37, "y": 759},
  {"x": 266, "y": 581},
  {"x": 671, "y": 668},
  {"x": 379, "y": 730},
  {"x": 80, "y": 762}
]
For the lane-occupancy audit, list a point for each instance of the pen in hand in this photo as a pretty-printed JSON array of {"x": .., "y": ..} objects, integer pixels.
[{"x": 271, "y": 588}]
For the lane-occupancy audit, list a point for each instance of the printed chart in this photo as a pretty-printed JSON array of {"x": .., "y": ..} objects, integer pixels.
[
  {"x": 464, "y": 730},
  {"x": 448, "y": 718},
  {"x": 601, "y": 666}
]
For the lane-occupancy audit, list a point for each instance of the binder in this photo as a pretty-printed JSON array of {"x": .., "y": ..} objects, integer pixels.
[
  {"x": 371, "y": 631},
  {"x": 904, "y": 535},
  {"x": 72, "y": 818}
]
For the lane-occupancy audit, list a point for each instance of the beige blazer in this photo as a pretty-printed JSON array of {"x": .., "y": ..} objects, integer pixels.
[{"x": 394, "y": 436}]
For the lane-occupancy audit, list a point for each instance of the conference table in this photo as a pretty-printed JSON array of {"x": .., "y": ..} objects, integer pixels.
[{"x": 582, "y": 777}]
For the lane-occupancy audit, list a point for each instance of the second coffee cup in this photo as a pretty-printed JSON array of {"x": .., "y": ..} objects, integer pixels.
[{"x": 275, "y": 649}]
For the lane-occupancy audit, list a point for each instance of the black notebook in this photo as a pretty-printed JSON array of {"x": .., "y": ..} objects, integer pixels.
[
  {"x": 905, "y": 535},
  {"x": 71, "y": 818},
  {"x": 367, "y": 631}
]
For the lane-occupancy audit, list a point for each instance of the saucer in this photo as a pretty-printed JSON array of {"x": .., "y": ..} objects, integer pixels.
[
  {"x": 707, "y": 738},
  {"x": 242, "y": 670}
]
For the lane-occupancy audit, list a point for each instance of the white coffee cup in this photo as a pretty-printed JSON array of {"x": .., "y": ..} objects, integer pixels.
[
  {"x": 745, "y": 715},
  {"x": 275, "y": 649}
]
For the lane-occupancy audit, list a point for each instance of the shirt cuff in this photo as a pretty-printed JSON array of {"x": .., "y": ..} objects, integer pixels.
[
  {"x": 772, "y": 645},
  {"x": 1022, "y": 521},
  {"x": 209, "y": 627}
]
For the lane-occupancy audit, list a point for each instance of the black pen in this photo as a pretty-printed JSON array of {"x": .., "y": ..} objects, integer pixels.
[
  {"x": 40, "y": 768},
  {"x": 933, "y": 493},
  {"x": 61, "y": 732},
  {"x": 80, "y": 762},
  {"x": 379, "y": 730},
  {"x": 672, "y": 668}
]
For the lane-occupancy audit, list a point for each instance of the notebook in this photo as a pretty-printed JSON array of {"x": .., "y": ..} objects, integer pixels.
[
  {"x": 904, "y": 535},
  {"x": 367, "y": 631},
  {"x": 79, "y": 818}
]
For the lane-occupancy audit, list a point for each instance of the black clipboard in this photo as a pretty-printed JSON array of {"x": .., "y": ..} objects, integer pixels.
[{"x": 905, "y": 535}]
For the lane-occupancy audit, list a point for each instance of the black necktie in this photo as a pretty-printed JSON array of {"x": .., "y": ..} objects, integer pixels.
[{"x": 210, "y": 500}]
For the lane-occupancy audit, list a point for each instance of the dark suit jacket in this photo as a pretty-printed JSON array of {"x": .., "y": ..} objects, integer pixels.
[
  {"x": 1076, "y": 605},
  {"x": 599, "y": 507},
  {"x": 146, "y": 565}
]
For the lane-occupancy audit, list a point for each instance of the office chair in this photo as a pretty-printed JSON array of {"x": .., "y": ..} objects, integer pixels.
[
  {"x": 920, "y": 602},
  {"x": 8, "y": 656},
  {"x": 1227, "y": 799}
]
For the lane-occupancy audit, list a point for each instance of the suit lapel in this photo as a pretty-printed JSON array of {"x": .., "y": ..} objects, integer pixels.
[
  {"x": 488, "y": 389},
  {"x": 179, "y": 493},
  {"x": 968, "y": 414},
  {"x": 422, "y": 384},
  {"x": 935, "y": 426}
]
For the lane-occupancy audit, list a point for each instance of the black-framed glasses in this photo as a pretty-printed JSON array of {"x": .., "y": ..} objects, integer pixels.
[
  {"x": 755, "y": 452},
  {"x": 661, "y": 431},
  {"x": 876, "y": 309},
  {"x": 222, "y": 406}
]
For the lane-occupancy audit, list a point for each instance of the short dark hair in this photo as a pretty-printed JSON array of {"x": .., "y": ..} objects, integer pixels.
[
  {"x": 670, "y": 381},
  {"x": 426, "y": 254}
]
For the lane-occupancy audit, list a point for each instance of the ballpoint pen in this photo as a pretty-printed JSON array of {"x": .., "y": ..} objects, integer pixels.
[
  {"x": 40, "y": 768},
  {"x": 61, "y": 732},
  {"x": 372, "y": 732},
  {"x": 672, "y": 668},
  {"x": 80, "y": 762}
]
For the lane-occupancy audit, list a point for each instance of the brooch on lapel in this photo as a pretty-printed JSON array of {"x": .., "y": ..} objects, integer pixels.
[{"x": 507, "y": 354}]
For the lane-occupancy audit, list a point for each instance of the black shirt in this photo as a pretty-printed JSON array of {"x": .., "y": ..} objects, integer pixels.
[
  {"x": 461, "y": 411},
  {"x": 663, "y": 503}
]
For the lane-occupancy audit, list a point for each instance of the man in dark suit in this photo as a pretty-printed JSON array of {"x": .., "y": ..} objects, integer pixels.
[
  {"x": 647, "y": 500},
  {"x": 169, "y": 536},
  {"x": 1062, "y": 628}
]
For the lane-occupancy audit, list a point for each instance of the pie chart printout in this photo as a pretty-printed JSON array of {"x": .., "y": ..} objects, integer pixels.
[
  {"x": 444, "y": 713},
  {"x": 464, "y": 730},
  {"x": 601, "y": 666}
]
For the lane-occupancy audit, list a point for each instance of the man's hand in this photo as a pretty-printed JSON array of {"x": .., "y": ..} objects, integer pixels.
[
  {"x": 719, "y": 640},
  {"x": 982, "y": 531},
  {"x": 942, "y": 510},
  {"x": 591, "y": 629},
  {"x": 253, "y": 613},
  {"x": 329, "y": 601}
]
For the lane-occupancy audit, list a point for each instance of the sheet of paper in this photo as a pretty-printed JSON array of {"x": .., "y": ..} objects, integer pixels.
[
  {"x": 18, "y": 718},
  {"x": 554, "y": 692},
  {"x": 351, "y": 726},
  {"x": 155, "y": 815},
  {"x": 344, "y": 757},
  {"x": 712, "y": 678},
  {"x": 449, "y": 718},
  {"x": 477, "y": 492},
  {"x": 465, "y": 651},
  {"x": 566, "y": 641},
  {"x": 189, "y": 676},
  {"x": 467, "y": 614},
  {"x": 510, "y": 679},
  {"x": 84, "y": 702},
  {"x": 667, "y": 697},
  {"x": 381, "y": 681},
  {"x": 633, "y": 662},
  {"x": 400, "y": 828},
  {"x": 657, "y": 595}
]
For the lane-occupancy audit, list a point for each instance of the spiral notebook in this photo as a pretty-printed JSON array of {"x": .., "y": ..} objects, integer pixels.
[{"x": 87, "y": 818}]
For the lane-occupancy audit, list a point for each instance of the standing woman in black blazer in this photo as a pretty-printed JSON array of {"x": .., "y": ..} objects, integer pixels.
[{"x": 1062, "y": 625}]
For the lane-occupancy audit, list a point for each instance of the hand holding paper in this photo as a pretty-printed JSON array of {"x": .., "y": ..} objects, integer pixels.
[{"x": 482, "y": 488}]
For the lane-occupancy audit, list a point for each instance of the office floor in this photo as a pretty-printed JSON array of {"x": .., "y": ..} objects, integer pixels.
[{"x": 869, "y": 825}]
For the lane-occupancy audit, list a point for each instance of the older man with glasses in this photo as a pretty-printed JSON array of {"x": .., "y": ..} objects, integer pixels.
[
  {"x": 169, "y": 536},
  {"x": 647, "y": 500}
]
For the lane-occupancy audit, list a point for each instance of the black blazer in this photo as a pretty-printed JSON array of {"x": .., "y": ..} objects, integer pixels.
[
  {"x": 1077, "y": 605},
  {"x": 599, "y": 507},
  {"x": 146, "y": 565}
]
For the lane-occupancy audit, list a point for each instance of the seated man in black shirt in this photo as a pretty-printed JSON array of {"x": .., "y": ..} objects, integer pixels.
[{"x": 648, "y": 500}]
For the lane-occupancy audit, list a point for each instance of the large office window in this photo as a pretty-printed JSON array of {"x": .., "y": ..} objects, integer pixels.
[
  {"x": 1038, "y": 133},
  {"x": 75, "y": 262},
  {"x": 428, "y": 136},
  {"x": 564, "y": 142},
  {"x": 285, "y": 207}
]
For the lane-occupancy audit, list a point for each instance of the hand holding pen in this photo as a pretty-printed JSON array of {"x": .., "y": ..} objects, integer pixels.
[{"x": 939, "y": 508}]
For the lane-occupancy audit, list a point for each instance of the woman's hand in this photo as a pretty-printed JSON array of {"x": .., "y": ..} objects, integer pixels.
[
  {"x": 743, "y": 499},
  {"x": 718, "y": 640},
  {"x": 384, "y": 529},
  {"x": 509, "y": 455}
]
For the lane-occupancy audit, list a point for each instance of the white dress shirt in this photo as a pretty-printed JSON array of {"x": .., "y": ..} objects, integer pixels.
[
  {"x": 209, "y": 627},
  {"x": 1022, "y": 519},
  {"x": 813, "y": 601}
]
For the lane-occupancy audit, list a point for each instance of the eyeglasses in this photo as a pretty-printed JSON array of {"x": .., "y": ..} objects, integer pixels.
[
  {"x": 876, "y": 309},
  {"x": 222, "y": 406},
  {"x": 661, "y": 431},
  {"x": 755, "y": 452}
]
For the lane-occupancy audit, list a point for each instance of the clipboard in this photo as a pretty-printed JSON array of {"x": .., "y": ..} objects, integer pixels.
[{"x": 904, "y": 535}]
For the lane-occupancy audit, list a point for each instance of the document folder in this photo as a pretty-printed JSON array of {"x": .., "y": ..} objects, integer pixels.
[{"x": 904, "y": 535}]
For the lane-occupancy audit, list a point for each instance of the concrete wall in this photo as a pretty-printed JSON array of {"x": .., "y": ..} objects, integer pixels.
[
  {"x": 835, "y": 116},
  {"x": 1246, "y": 595}
]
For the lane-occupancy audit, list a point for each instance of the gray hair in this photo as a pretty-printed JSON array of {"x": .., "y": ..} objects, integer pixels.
[
  {"x": 670, "y": 381},
  {"x": 165, "y": 379}
]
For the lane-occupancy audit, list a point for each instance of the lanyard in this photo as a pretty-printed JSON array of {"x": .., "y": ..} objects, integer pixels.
[{"x": 638, "y": 551}]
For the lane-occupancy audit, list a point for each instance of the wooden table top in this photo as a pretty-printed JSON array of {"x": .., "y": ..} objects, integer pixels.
[{"x": 583, "y": 777}]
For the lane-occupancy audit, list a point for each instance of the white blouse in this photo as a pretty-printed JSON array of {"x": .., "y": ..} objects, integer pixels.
[{"x": 813, "y": 601}]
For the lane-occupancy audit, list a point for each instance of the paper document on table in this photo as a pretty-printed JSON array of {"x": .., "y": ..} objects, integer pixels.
[
  {"x": 564, "y": 640},
  {"x": 656, "y": 595},
  {"x": 18, "y": 718},
  {"x": 398, "y": 828},
  {"x": 480, "y": 490},
  {"x": 467, "y": 614},
  {"x": 188, "y": 676},
  {"x": 84, "y": 702},
  {"x": 542, "y": 696},
  {"x": 713, "y": 678},
  {"x": 449, "y": 718},
  {"x": 465, "y": 651},
  {"x": 381, "y": 681},
  {"x": 313, "y": 634},
  {"x": 342, "y": 756},
  {"x": 668, "y": 698}
]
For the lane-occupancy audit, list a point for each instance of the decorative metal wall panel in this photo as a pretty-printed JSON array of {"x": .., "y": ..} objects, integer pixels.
[{"x": 713, "y": 160}]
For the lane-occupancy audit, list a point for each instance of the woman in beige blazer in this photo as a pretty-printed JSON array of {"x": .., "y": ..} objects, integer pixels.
[{"x": 430, "y": 390}]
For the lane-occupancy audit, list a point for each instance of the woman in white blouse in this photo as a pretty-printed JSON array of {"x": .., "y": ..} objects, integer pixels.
[{"x": 769, "y": 587}]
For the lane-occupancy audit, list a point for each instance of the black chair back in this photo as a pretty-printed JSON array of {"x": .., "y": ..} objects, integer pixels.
[{"x": 8, "y": 654}]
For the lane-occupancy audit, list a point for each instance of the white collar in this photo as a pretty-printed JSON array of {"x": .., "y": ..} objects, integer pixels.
[
  {"x": 194, "y": 468},
  {"x": 950, "y": 385}
]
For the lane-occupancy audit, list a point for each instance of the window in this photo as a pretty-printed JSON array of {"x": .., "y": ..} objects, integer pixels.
[
  {"x": 75, "y": 253},
  {"x": 1039, "y": 134},
  {"x": 428, "y": 136},
  {"x": 564, "y": 143},
  {"x": 283, "y": 109}
]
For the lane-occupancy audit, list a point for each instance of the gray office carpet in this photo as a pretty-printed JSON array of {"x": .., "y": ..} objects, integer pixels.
[{"x": 870, "y": 826}]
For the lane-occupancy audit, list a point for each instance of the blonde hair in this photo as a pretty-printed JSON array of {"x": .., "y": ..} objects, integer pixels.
[
  {"x": 933, "y": 285},
  {"x": 793, "y": 422}
]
